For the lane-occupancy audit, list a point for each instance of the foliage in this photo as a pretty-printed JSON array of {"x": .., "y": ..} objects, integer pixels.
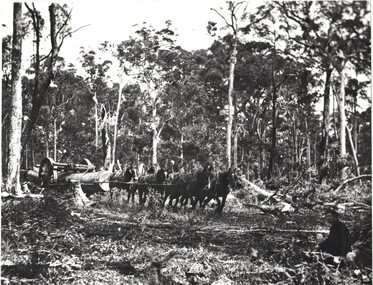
[{"x": 285, "y": 46}]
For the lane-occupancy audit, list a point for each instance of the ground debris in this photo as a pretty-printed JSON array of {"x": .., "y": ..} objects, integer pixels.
[{"x": 51, "y": 241}]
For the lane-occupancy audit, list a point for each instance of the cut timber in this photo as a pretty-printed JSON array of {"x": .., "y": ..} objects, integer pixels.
[
  {"x": 343, "y": 184},
  {"x": 92, "y": 180},
  {"x": 286, "y": 205},
  {"x": 30, "y": 175}
]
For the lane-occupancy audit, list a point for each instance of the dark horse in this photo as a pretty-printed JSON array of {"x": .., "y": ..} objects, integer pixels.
[
  {"x": 192, "y": 186},
  {"x": 220, "y": 187},
  {"x": 155, "y": 180},
  {"x": 127, "y": 176}
]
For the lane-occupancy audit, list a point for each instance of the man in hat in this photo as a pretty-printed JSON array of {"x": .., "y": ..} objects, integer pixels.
[{"x": 338, "y": 243}]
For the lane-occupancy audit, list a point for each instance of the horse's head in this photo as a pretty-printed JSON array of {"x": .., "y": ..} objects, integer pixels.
[
  {"x": 231, "y": 178},
  {"x": 161, "y": 176}
]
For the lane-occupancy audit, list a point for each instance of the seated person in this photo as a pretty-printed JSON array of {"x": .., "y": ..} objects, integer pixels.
[{"x": 338, "y": 243}]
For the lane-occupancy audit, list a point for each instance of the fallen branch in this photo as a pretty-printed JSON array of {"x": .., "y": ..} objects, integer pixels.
[
  {"x": 343, "y": 184},
  {"x": 282, "y": 207},
  {"x": 262, "y": 230},
  {"x": 286, "y": 205}
]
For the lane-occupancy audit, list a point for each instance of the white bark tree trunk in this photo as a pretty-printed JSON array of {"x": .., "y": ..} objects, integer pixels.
[
  {"x": 343, "y": 122},
  {"x": 13, "y": 184},
  {"x": 235, "y": 148},
  {"x": 354, "y": 153},
  {"x": 55, "y": 139},
  {"x": 155, "y": 132},
  {"x": 232, "y": 64},
  {"x": 96, "y": 129},
  {"x": 116, "y": 121}
]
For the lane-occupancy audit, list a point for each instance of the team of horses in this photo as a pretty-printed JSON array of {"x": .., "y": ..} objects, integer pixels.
[{"x": 180, "y": 189}]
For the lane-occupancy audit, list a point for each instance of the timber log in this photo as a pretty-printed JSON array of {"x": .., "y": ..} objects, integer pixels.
[
  {"x": 51, "y": 172},
  {"x": 92, "y": 181}
]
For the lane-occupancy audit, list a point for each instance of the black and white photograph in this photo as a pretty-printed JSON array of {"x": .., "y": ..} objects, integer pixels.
[{"x": 186, "y": 142}]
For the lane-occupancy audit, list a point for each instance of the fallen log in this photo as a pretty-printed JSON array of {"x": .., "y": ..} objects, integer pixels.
[
  {"x": 240, "y": 230},
  {"x": 282, "y": 207},
  {"x": 344, "y": 183},
  {"x": 7, "y": 196},
  {"x": 341, "y": 207},
  {"x": 286, "y": 205},
  {"x": 89, "y": 181},
  {"x": 30, "y": 175}
]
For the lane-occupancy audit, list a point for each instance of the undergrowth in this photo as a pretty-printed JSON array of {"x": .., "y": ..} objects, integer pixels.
[{"x": 51, "y": 241}]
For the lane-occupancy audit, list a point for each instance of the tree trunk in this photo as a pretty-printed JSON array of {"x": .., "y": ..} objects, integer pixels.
[
  {"x": 55, "y": 139},
  {"x": 295, "y": 141},
  {"x": 5, "y": 152},
  {"x": 13, "y": 184},
  {"x": 354, "y": 153},
  {"x": 46, "y": 139},
  {"x": 308, "y": 152},
  {"x": 155, "y": 133},
  {"x": 274, "y": 130},
  {"x": 355, "y": 126},
  {"x": 343, "y": 123},
  {"x": 181, "y": 145},
  {"x": 315, "y": 148},
  {"x": 96, "y": 129},
  {"x": 232, "y": 64},
  {"x": 116, "y": 121},
  {"x": 235, "y": 147},
  {"x": 32, "y": 154},
  {"x": 41, "y": 84},
  {"x": 324, "y": 142}
]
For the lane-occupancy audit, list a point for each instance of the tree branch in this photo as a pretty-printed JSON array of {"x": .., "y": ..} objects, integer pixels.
[{"x": 222, "y": 17}]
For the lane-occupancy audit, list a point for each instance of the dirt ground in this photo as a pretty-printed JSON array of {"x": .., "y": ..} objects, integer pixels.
[{"x": 50, "y": 241}]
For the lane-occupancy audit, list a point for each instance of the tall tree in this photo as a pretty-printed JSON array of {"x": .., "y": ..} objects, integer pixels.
[
  {"x": 317, "y": 46},
  {"x": 336, "y": 34},
  {"x": 13, "y": 178},
  {"x": 59, "y": 30},
  {"x": 351, "y": 46},
  {"x": 97, "y": 69},
  {"x": 147, "y": 56},
  {"x": 232, "y": 21}
]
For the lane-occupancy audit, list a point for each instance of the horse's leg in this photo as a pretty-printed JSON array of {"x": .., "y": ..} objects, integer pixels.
[
  {"x": 132, "y": 193},
  {"x": 141, "y": 193},
  {"x": 170, "y": 201},
  {"x": 166, "y": 195},
  {"x": 146, "y": 193},
  {"x": 182, "y": 200},
  {"x": 187, "y": 199},
  {"x": 222, "y": 203},
  {"x": 128, "y": 189},
  {"x": 201, "y": 201},
  {"x": 194, "y": 201},
  {"x": 207, "y": 200},
  {"x": 218, "y": 201}
]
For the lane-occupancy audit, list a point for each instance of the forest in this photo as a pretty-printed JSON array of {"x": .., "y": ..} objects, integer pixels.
[{"x": 146, "y": 163}]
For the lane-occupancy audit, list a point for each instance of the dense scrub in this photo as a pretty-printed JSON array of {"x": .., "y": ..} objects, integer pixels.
[{"x": 50, "y": 241}]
